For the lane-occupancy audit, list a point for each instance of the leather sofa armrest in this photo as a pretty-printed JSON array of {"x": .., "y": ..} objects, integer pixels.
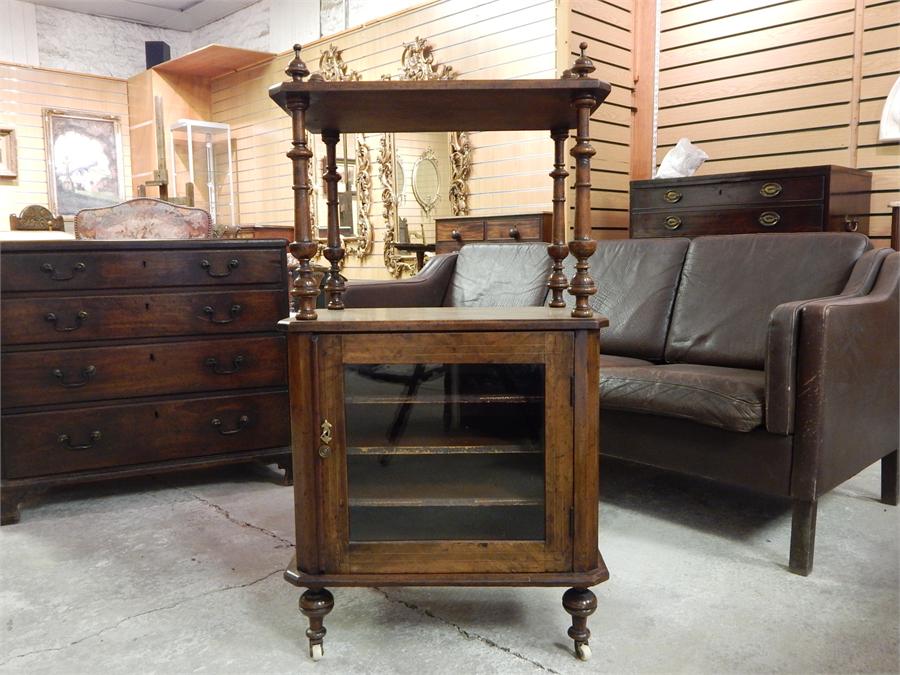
[
  {"x": 848, "y": 392},
  {"x": 426, "y": 289},
  {"x": 781, "y": 352}
]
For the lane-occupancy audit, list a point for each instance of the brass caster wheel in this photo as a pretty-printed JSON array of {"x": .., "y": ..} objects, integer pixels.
[
  {"x": 583, "y": 651},
  {"x": 316, "y": 652}
]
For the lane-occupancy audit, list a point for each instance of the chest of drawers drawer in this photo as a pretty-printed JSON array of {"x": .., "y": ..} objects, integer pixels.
[
  {"x": 61, "y": 376},
  {"x": 525, "y": 229},
  {"x": 44, "y": 443},
  {"x": 770, "y": 190},
  {"x": 42, "y": 320},
  {"x": 452, "y": 233},
  {"x": 93, "y": 269},
  {"x": 685, "y": 223},
  {"x": 459, "y": 232}
]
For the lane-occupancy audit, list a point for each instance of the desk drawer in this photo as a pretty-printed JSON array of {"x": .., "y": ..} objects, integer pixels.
[
  {"x": 73, "y": 319},
  {"x": 679, "y": 223},
  {"x": 65, "y": 270},
  {"x": 763, "y": 191},
  {"x": 460, "y": 232},
  {"x": 103, "y": 373},
  {"x": 39, "y": 444},
  {"x": 509, "y": 229}
]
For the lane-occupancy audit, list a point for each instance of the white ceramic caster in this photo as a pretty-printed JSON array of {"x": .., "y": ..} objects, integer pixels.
[
  {"x": 582, "y": 651},
  {"x": 315, "y": 652}
]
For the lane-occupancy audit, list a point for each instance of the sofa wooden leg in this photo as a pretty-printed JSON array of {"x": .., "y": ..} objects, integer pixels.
[
  {"x": 890, "y": 477},
  {"x": 803, "y": 536}
]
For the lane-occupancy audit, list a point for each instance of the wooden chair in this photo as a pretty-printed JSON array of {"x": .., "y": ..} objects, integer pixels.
[
  {"x": 143, "y": 218},
  {"x": 36, "y": 218}
]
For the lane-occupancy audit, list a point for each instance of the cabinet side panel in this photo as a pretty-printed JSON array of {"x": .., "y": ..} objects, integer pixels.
[
  {"x": 587, "y": 449},
  {"x": 558, "y": 441},
  {"x": 300, "y": 367}
]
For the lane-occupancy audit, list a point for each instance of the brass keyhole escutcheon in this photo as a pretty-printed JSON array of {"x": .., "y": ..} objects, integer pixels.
[{"x": 324, "y": 451}]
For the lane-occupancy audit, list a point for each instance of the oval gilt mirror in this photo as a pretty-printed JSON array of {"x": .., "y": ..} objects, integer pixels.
[{"x": 426, "y": 181}]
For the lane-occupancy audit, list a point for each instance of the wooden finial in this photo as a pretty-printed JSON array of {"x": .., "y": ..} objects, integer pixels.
[
  {"x": 583, "y": 65},
  {"x": 296, "y": 69}
]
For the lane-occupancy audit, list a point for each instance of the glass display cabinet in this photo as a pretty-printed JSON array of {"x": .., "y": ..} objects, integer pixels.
[
  {"x": 201, "y": 155},
  {"x": 444, "y": 446}
]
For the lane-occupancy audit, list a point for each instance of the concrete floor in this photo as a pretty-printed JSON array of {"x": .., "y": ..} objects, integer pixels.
[{"x": 183, "y": 574}]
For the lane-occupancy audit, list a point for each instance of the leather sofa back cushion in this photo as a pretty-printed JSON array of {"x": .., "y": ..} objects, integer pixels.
[
  {"x": 636, "y": 281},
  {"x": 730, "y": 284},
  {"x": 500, "y": 275}
]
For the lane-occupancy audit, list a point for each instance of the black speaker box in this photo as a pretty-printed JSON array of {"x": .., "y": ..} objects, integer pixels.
[{"x": 156, "y": 53}]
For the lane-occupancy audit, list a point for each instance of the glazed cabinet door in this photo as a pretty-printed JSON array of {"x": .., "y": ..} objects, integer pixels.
[{"x": 445, "y": 452}]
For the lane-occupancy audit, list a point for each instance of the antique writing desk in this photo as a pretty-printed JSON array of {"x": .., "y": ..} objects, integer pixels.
[{"x": 444, "y": 446}]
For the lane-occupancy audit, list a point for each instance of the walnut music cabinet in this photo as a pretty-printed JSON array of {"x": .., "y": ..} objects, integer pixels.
[{"x": 444, "y": 446}]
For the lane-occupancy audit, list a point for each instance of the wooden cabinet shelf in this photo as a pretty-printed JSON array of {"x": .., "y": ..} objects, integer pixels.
[
  {"x": 447, "y": 480},
  {"x": 492, "y": 449}
]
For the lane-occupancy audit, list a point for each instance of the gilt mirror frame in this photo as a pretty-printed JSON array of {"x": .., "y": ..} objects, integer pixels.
[
  {"x": 427, "y": 202},
  {"x": 333, "y": 69},
  {"x": 417, "y": 63}
]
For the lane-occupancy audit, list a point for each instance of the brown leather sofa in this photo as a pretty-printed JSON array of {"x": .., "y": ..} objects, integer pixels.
[{"x": 764, "y": 361}]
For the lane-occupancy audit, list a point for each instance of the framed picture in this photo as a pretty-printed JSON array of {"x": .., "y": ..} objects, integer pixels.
[
  {"x": 84, "y": 160},
  {"x": 8, "y": 152}
]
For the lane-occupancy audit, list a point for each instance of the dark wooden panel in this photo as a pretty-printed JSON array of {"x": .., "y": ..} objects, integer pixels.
[
  {"x": 71, "y": 270},
  {"x": 734, "y": 221},
  {"x": 71, "y": 319},
  {"x": 100, "y": 373},
  {"x": 46, "y": 443}
]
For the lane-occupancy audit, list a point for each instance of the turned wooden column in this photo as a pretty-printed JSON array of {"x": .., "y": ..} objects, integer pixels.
[
  {"x": 558, "y": 249},
  {"x": 303, "y": 248},
  {"x": 335, "y": 283},
  {"x": 582, "y": 245}
]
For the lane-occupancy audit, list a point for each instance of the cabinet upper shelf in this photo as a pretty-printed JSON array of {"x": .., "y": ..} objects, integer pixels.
[{"x": 441, "y": 105}]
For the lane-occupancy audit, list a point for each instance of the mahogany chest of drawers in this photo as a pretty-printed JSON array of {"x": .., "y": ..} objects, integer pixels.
[
  {"x": 807, "y": 199},
  {"x": 129, "y": 357},
  {"x": 452, "y": 233}
]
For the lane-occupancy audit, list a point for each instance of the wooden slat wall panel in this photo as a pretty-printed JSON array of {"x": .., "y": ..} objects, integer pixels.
[
  {"x": 763, "y": 84},
  {"x": 495, "y": 39},
  {"x": 24, "y": 92},
  {"x": 608, "y": 29}
]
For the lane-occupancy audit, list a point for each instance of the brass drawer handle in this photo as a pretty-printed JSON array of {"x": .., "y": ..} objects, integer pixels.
[
  {"x": 236, "y": 363},
  {"x": 86, "y": 374},
  {"x": 769, "y": 218},
  {"x": 456, "y": 234},
  {"x": 851, "y": 224},
  {"x": 80, "y": 318},
  {"x": 771, "y": 190},
  {"x": 672, "y": 196},
  {"x": 234, "y": 312},
  {"x": 242, "y": 422},
  {"x": 54, "y": 275},
  {"x": 673, "y": 223},
  {"x": 514, "y": 233},
  {"x": 233, "y": 264},
  {"x": 66, "y": 441}
]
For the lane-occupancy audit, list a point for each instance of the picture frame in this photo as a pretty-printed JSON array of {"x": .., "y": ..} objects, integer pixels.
[
  {"x": 8, "y": 157},
  {"x": 85, "y": 167}
]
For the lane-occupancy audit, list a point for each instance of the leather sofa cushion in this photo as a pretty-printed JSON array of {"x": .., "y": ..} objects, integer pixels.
[
  {"x": 611, "y": 360},
  {"x": 500, "y": 275},
  {"x": 731, "y": 283},
  {"x": 728, "y": 398},
  {"x": 636, "y": 281}
]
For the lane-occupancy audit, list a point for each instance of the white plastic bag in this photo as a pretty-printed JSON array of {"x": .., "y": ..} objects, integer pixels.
[{"x": 682, "y": 160}]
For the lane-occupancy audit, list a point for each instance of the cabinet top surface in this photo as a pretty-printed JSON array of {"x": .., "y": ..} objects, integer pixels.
[
  {"x": 77, "y": 245},
  {"x": 748, "y": 175},
  {"x": 442, "y": 319},
  {"x": 440, "y": 105}
]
